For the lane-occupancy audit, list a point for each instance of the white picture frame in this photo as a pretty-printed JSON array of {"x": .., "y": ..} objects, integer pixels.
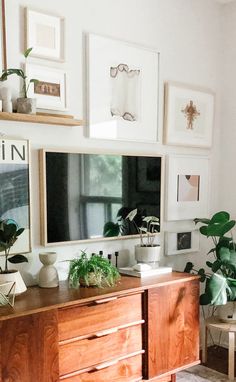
[
  {"x": 182, "y": 242},
  {"x": 15, "y": 189},
  {"x": 189, "y": 115},
  {"x": 45, "y": 33},
  {"x": 50, "y": 91},
  {"x": 122, "y": 90},
  {"x": 187, "y": 187}
]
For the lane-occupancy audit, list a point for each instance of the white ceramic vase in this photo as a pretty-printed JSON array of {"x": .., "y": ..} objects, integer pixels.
[
  {"x": 48, "y": 276},
  {"x": 227, "y": 312},
  {"x": 148, "y": 255},
  {"x": 14, "y": 276}
]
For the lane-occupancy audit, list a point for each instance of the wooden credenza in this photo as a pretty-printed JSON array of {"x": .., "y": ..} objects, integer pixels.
[{"x": 139, "y": 330}]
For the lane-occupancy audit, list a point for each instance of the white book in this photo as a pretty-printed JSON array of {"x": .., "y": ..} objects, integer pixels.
[{"x": 151, "y": 272}]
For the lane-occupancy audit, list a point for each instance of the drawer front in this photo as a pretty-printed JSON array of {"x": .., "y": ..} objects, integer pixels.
[
  {"x": 82, "y": 320},
  {"x": 127, "y": 370},
  {"x": 91, "y": 351}
]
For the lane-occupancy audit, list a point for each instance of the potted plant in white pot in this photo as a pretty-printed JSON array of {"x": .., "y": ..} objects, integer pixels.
[
  {"x": 9, "y": 233},
  {"x": 25, "y": 105},
  {"x": 147, "y": 251}
]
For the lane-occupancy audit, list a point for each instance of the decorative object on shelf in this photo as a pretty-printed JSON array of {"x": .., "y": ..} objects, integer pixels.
[
  {"x": 187, "y": 187},
  {"x": 46, "y": 34},
  {"x": 50, "y": 89},
  {"x": 116, "y": 257},
  {"x": 24, "y": 104},
  {"x": 189, "y": 115},
  {"x": 9, "y": 233},
  {"x": 220, "y": 285},
  {"x": 3, "y": 44},
  {"x": 146, "y": 251},
  {"x": 48, "y": 275},
  {"x": 122, "y": 96},
  {"x": 93, "y": 271},
  {"x": 181, "y": 242},
  {"x": 14, "y": 188},
  {"x": 5, "y": 95},
  {"x": 7, "y": 293}
]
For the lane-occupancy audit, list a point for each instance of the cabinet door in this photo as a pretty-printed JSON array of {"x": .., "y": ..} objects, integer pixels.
[
  {"x": 171, "y": 333},
  {"x": 29, "y": 348}
]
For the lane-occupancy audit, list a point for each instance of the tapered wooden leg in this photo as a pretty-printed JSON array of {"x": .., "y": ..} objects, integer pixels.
[
  {"x": 204, "y": 344},
  {"x": 173, "y": 377},
  {"x": 231, "y": 357}
]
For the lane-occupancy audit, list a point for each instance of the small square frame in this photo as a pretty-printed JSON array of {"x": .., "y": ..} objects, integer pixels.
[
  {"x": 51, "y": 78},
  {"x": 53, "y": 26},
  {"x": 172, "y": 242},
  {"x": 189, "y": 115}
]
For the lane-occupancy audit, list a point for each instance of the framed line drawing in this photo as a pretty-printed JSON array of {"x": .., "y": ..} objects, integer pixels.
[
  {"x": 187, "y": 187},
  {"x": 45, "y": 33},
  {"x": 15, "y": 189},
  {"x": 122, "y": 90},
  {"x": 189, "y": 115},
  {"x": 50, "y": 90},
  {"x": 181, "y": 242}
]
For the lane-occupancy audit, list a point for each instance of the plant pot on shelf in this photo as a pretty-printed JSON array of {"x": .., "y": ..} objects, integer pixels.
[
  {"x": 148, "y": 255},
  {"x": 14, "y": 276},
  {"x": 26, "y": 105},
  {"x": 227, "y": 312}
]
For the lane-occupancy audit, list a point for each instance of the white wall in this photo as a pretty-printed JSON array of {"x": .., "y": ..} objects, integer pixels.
[{"x": 187, "y": 33}]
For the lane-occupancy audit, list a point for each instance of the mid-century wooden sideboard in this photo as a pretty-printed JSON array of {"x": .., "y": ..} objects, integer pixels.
[{"x": 142, "y": 329}]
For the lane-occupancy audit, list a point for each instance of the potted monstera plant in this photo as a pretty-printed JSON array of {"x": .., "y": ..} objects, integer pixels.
[
  {"x": 220, "y": 276},
  {"x": 24, "y": 104},
  {"x": 9, "y": 233}
]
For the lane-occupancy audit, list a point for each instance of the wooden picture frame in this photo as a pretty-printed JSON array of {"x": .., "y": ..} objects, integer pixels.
[
  {"x": 189, "y": 115},
  {"x": 15, "y": 189},
  {"x": 45, "y": 33}
]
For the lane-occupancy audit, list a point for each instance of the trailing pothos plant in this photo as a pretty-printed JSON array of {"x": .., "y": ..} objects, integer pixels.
[
  {"x": 92, "y": 271},
  {"x": 9, "y": 233},
  {"x": 220, "y": 278}
]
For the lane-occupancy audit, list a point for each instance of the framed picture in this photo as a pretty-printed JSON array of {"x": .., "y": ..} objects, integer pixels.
[
  {"x": 148, "y": 174},
  {"x": 189, "y": 115},
  {"x": 122, "y": 90},
  {"x": 45, "y": 33},
  {"x": 3, "y": 45},
  {"x": 187, "y": 187},
  {"x": 50, "y": 90},
  {"x": 15, "y": 190},
  {"x": 181, "y": 242}
]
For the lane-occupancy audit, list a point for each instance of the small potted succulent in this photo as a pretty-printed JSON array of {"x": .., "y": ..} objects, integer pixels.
[
  {"x": 9, "y": 233},
  {"x": 92, "y": 271},
  {"x": 24, "y": 104},
  {"x": 147, "y": 251}
]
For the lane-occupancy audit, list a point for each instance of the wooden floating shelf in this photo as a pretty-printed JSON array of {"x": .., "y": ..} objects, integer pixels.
[{"x": 48, "y": 119}]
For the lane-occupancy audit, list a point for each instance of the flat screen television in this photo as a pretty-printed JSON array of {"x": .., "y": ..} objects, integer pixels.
[{"x": 82, "y": 192}]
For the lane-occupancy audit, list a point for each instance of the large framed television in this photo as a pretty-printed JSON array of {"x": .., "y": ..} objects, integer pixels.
[{"x": 82, "y": 192}]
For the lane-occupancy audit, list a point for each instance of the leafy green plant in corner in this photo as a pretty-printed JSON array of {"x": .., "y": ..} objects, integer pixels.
[
  {"x": 9, "y": 233},
  {"x": 220, "y": 278},
  {"x": 92, "y": 271},
  {"x": 20, "y": 73}
]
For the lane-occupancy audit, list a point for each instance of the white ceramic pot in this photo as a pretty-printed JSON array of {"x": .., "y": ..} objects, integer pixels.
[
  {"x": 14, "y": 276},
  {"x": 148, "y": 255},
  {"x": 227, "y": 312}
]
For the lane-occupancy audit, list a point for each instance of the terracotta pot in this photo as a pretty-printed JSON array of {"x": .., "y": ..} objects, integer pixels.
[
  {"x": 15, "y": 276},
  {"x": 26, "y": 105},
  {"x": 148, "y": 255}
]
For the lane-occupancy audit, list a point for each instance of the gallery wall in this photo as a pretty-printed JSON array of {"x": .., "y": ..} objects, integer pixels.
[{"x": 188, "y": 36}]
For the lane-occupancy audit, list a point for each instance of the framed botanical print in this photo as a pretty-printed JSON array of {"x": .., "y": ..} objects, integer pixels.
[
  {"x": 15, "y": 189},
  {"x": 187, "y": 187},
  {"x": 189, "y": 115}
]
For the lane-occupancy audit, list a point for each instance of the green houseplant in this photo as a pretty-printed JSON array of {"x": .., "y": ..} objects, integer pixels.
[
  {"x": 220, "y": 279},
  {"x": 24, "y": 104},
  {"x": 93, "y": 271},
  {"x": 9, "y": 233}
]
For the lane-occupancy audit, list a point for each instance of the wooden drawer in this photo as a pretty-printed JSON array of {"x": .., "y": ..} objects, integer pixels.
[
  {"x": 84, "y": 353},
  {"x": 78, "y": 321},
  {"x": 126, "y": 370}
]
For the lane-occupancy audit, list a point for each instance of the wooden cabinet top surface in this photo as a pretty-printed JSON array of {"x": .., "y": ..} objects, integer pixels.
[{"x": 37, "y": 299}]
